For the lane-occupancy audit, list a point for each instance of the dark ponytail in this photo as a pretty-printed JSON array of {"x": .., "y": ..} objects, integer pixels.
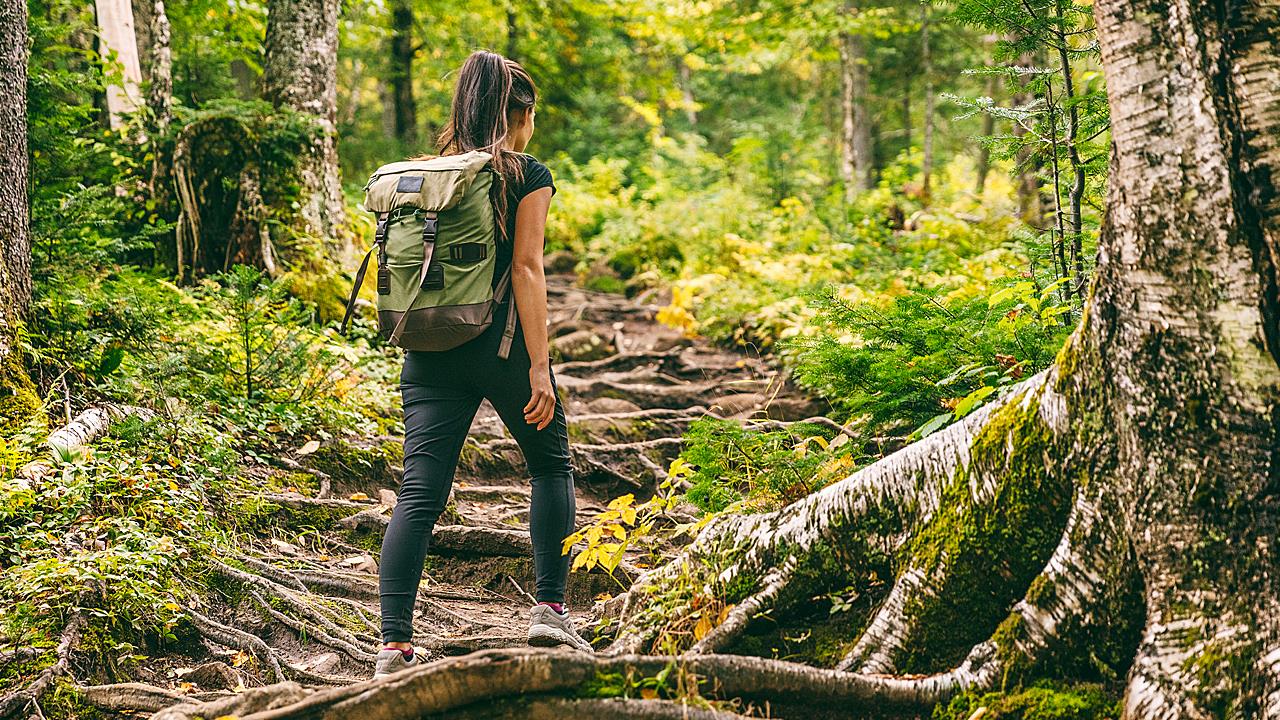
[{"x": 490, "y": 89}]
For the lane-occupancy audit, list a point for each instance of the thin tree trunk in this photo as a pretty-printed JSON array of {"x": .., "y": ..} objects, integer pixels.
[
  {"x": 115, "y": 30},
  {"x": 856, "y": 145},
  {"x": 1031, "y": 199},
  {"x": 926, "y": 69},
  {"x": 983, "y": 163},
  {"x": 300, "y": 73},
  {"x": 513, "y": 31},
  {"x": 1075, "y": 194},
  {"x": 401, "y": 75},
  {"x": 686, "y": 92}
]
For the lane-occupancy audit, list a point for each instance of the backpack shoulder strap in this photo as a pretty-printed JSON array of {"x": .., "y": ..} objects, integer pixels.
[
  {"x": 379, "y": 244},
  {"x": 503, "y": 291}
]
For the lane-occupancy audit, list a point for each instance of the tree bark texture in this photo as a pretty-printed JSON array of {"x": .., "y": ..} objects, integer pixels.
[
  {"x": 401, "y": 74},
  {"x": 300, "y": 73},
  {"x": 15, "y": 220},
  {"x": 856, "y": 145}
]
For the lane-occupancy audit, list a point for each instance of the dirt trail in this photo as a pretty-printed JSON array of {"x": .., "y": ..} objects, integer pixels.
[{"x": 302, "y": 600}]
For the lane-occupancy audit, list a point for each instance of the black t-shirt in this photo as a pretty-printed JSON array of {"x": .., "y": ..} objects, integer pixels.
[{"x": 534, "y": 176}]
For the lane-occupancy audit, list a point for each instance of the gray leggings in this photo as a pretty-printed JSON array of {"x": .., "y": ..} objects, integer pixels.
[{"x": 441, "y": 393}]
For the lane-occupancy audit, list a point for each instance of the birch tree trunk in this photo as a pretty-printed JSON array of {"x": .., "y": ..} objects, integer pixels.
[
  {"x": 115, "y": 28},
  {"x": 856, "y": 147},
  {"x": 300, "y": 73}
]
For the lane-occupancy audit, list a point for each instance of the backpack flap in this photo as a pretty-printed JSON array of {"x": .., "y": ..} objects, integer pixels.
[{"x": 434, "y": 185}]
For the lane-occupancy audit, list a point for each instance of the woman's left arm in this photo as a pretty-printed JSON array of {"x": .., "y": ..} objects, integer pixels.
[{"x": 530, "y": 287}]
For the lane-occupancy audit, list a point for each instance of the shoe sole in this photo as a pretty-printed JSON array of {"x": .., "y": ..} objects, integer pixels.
[{"x": 545, "y": 636}]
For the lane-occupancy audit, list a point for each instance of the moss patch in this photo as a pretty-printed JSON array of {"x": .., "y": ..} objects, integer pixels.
[
  {"x": 19, "y": 403},
  {"x": 990, "y": 552},
  {"x": 359, "y": 469},
  {"x": 1044, "y": 702}
]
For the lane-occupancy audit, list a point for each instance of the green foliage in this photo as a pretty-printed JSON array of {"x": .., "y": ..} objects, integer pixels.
[
  {"x": 921, "y": 359},
  {"x": 120, "y": 523},
  {"x": 740, "y": 468},
  {"x": 1048, "y": 701},
  {"x": 267, "y": 354}
]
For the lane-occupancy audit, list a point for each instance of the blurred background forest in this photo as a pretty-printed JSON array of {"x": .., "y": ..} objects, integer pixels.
[{"x": 897, "y": 201}]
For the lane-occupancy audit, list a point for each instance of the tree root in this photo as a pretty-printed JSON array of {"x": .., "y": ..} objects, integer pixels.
[
  {"x": 520, "y": 676},
  {"x": 744, "y": 612},
  {"x": 876, "y": 649},
  {"x": 232, "y": 637},
  {"x": 131, "y": 697},
  {"x": 18, "y": 701}
]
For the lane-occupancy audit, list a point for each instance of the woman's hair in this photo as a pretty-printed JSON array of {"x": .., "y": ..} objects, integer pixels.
[{"x": 490, "y": 89}]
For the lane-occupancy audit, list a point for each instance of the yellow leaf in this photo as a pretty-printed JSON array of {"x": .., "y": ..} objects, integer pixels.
[
  {"x": 629, "y": 516},
  {"x": 602, "y": 597},
  {"x": 724, "y": 614},
  {"x": 240, "y": 658},
  {"x": 622, "y": 501},
  {"x": 702, "y": 628},
  {"x": 618, "y": 532},
  {"x": 358, "y": 497}
]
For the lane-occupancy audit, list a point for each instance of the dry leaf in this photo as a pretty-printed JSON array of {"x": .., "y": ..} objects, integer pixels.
[
  {"x": 358, "y": 497},
  {"x": 702, "y": 628},
  {"x": 648, "y": 693},
  {"x": 310, "y": 447},
  {"x": 240, "y": 658}
]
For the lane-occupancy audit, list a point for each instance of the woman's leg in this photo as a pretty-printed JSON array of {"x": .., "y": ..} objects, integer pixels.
[
  {"x": 546, "y": 451},
  {"x": 436, "y": 421}
]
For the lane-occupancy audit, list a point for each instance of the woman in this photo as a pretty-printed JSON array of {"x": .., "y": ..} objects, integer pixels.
[{"x": 493, "y": 111}]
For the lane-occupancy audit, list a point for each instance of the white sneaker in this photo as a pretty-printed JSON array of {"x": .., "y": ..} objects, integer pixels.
[
  {"x": 391, "y": 661},
  {"x": 548, "y": 628}
]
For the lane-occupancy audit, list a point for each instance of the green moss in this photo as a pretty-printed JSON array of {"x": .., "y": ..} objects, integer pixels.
[
  {"x": 358, "y": 468},
  {"x": 19, "y": 403},
  {"x": 603, "y": 685},
  {"x": 991, "y": 552},
  {"x": 1044, "y": 702}
]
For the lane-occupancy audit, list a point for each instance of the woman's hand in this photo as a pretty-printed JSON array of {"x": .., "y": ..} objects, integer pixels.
[{"x": 542, "y": 400}]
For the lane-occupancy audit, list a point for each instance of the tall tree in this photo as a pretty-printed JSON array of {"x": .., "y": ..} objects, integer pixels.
[
  {"x": 856, "y": 145},
  {"x": 300, "y": 73},
  {"x": 18, "y": 401},
  {"x": 15, "y": 220},
  {"x": 926, "y": 69},
  {"x": 401, "y": 75}
]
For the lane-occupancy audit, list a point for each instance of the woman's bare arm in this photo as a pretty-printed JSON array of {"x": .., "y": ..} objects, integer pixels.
[{"x": 530, "y": 287}]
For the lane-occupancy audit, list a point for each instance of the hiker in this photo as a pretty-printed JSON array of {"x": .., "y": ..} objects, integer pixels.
[{"x": 508, "y": 363}]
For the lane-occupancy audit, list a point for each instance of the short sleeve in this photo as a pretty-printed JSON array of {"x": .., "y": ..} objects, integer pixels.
[{"x": 536, "y": 177}]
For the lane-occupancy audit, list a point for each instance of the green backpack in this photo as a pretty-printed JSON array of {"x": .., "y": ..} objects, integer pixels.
[{"x": 437, "y": 252}]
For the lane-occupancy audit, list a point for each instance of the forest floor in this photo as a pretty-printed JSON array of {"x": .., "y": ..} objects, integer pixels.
[{"x": 299, "y": 600}]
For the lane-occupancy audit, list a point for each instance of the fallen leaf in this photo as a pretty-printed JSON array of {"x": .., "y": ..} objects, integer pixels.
[
  {"x": 358, "y": 497},
  {"x": 310, "y": 447}
]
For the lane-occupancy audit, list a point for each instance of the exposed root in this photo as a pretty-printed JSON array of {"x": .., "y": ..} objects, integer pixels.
[
  {"x": 517, "y": 676},
  {"x": 876, "y": 649},
  {"x": 744, "y": 612},
  {"x": 253, "y": 700},
  {"x": 131, "y": 697},
  {"x": 18, "y": 701},
  {"x": 232, "y": 637}
]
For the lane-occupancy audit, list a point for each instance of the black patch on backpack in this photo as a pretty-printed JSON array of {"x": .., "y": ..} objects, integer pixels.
[
  {"x": 435, "y": 277},
  {"x": 409, "y": 184}
]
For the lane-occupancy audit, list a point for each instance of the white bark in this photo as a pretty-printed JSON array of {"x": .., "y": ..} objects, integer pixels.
[{"x": 115, "y": 28}]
